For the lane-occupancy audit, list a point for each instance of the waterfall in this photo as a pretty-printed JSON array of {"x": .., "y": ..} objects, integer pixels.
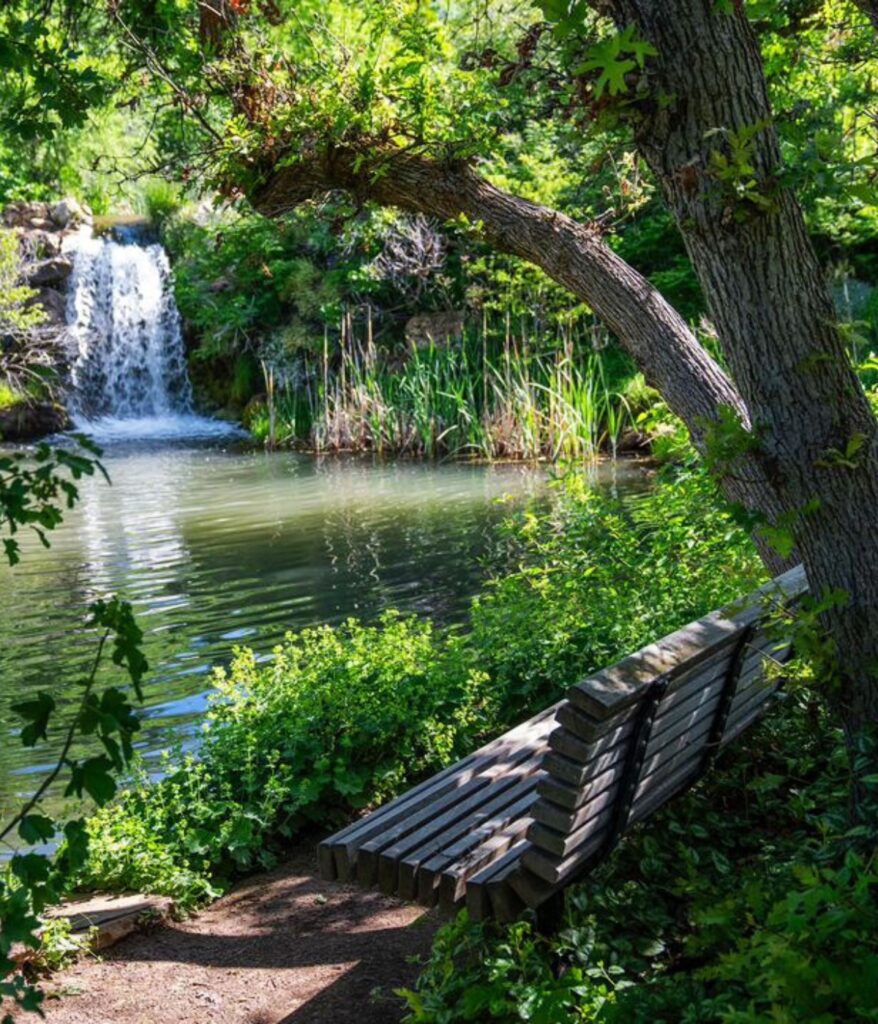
[{"x": 128, "y": 373}]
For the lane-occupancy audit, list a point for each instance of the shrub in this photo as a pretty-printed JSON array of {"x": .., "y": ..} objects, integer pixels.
[
  {"x": 341, "y": 717},
  {"x": 344, "y": 717}
]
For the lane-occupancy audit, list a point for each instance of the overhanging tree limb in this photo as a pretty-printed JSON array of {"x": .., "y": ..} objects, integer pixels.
[{"x": 573, "y": 254}]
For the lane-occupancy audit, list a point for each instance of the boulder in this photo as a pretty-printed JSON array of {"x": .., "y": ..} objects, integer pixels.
[
  {"x": 40, "y": 244},
  {"x": 439, "y": 329},
  {"x": 632, "y": 442},
  {"x": 68, "y": 214},
  {"x": 54, "y": 271},
  {"x": 29, "y": 420},
  {"x": 55, "y": 305},
  {"x": 22, "y": 215}
]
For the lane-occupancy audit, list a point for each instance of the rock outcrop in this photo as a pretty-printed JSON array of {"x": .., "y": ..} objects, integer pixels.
[
  {"x": 51, "y": 272},
  {"x": 41, "y": 229},
  {"x": 61, "y": 216},
  {"x": 26, "y": 421}
]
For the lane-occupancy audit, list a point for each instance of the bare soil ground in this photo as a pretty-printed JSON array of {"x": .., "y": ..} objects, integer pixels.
[{"x": 284, "y": 948}]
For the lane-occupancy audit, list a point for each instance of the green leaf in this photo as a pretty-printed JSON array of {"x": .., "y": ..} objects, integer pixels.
[
  {"x": 93, "y": 777},
  {"x": 75, "y": 852},
  {"x": 31, "y": 868},
  {"x": 36, "y": 713},
  {"x": 36, "y": 828}
]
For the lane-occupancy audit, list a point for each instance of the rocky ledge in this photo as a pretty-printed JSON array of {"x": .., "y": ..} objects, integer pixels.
[
  {"x": 27, "y": 421},
  {"x": 41, "y": 229}
]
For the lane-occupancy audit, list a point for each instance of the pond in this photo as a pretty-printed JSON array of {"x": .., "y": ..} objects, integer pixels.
[{"x": 218, "y": 545}]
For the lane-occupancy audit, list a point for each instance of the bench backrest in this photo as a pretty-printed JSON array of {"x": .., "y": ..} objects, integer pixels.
[{"x": 633, "y": 735}]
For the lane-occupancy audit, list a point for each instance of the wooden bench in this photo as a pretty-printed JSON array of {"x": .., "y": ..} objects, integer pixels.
[{"x": 511, "y": 825}]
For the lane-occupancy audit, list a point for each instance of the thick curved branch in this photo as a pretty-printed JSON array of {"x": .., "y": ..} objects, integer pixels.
[{"x": 573, "y": 254}]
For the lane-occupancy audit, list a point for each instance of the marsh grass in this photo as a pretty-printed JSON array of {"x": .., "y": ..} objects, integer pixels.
[{"x": 476, "y": 398}]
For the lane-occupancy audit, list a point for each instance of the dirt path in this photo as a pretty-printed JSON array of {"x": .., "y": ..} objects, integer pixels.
[{"x": 284, "y": 948}]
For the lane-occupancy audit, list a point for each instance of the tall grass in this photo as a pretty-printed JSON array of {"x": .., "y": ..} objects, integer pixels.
[{"x": 471, "y": 398}]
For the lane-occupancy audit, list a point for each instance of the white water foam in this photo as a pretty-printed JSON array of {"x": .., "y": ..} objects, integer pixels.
[
  {"x": 105, "y": 429},
  {"x": 129, "y": 368}
]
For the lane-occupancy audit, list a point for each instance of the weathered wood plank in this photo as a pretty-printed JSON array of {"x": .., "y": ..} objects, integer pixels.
[
  {"x": 506, "y": 905},
  {"x": 489, "y": 817},
  {"x": 450, "y": 885},
  {"x": 466, "y": 853},
  {"x": 367, "y": 854},
  {"x": 570, "y": 786},
  {"x": 734, "y": 729},
  {"x": 367, "y": 851},
  {"x": 679, "y": 700},
  {"x": 620, "y": 685},
  {"x": 344, "y": 847},
  {"x": 554, "y": 869},
  {"x": 346, "y": 842},
  {"x": 570, "y": 745},
  {"x": 547, "y": 837},
  {"x": 478, "y": 901},
  {"x": 416, "y": 835}
]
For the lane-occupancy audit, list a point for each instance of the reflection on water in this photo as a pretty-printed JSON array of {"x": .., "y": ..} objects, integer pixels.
[{"x": 218, "y": 547}]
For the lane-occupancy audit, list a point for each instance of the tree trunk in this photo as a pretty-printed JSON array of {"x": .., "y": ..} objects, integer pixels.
[
  {"x": 574, "y": 255},
  {"x": 747, "y": 240}
]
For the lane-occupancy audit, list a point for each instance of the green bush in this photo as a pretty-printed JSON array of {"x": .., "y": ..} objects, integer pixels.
[
  {"x": 344, "y": 717},
  {"x": 341, "y": 717}
]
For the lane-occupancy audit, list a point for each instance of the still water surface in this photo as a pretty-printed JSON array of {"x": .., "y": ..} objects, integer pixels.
[{"x": 217, "y": 545}]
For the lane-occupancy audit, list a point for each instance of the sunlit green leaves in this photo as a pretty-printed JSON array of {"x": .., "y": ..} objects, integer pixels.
[
  {"x": 614, "y": 57},
  {"x": 117, "y": 616},
  {"x": 35, "y": 488},
  {"x": 46, "y": 83}
]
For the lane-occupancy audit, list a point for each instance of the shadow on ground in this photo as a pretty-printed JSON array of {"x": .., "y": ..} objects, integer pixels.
[{"x": 285, "y": 948}]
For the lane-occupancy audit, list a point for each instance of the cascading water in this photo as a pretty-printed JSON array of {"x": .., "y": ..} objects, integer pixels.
[{"x": 129, "y": 370}]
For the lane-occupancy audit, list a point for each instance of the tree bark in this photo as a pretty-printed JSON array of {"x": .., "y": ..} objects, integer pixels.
[
  {"x": 574, "y": 255},
  {"x": 747, "y": 240}
]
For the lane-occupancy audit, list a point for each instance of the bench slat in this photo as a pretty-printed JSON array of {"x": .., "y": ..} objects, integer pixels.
[
  {"x": 422, "y": 828},
  {"x": 473, "y": 849},
  {"x": 453, "y": 881},
  {"x": 478, "y": 900},
  {"x": 493, "y": 811}
]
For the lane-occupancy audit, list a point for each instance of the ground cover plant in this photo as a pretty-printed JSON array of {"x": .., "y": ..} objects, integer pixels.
[{"x": 344, "y": 717}]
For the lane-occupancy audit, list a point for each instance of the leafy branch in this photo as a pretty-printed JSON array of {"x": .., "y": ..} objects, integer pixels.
[{"x": 31, "y": 495}]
